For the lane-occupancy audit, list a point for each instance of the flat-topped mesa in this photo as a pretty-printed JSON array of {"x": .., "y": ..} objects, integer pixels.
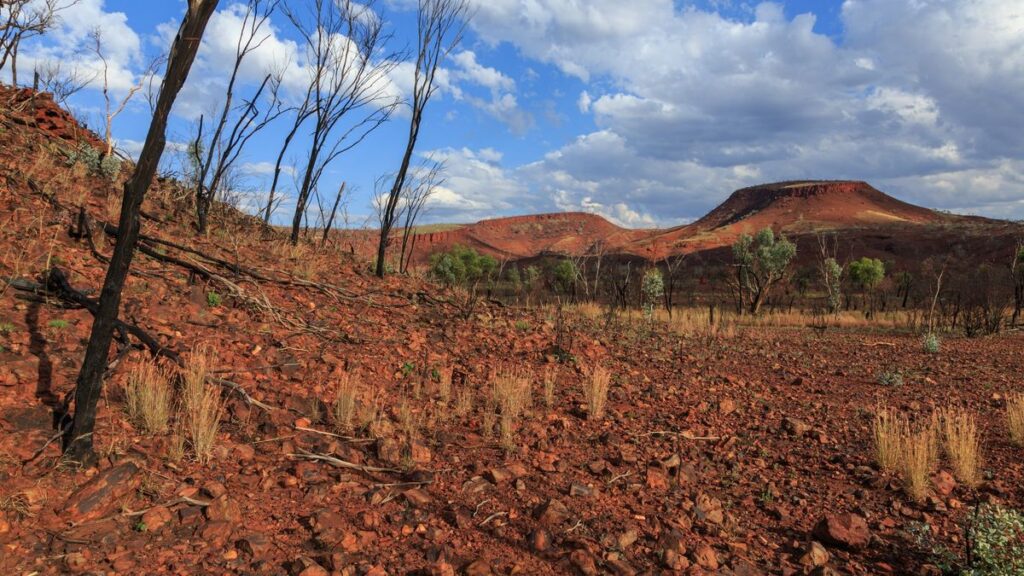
[{"x": 837, "y": 202}]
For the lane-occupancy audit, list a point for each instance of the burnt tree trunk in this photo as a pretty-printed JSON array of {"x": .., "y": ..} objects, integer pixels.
[{"x": 78, "y": 440}]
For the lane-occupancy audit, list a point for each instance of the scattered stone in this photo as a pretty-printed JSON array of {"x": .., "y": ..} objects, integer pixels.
[
  {"x": 389, "y": 450},
  {"x": 417, "y": 498},
  {"x": 619, "y": 567},
  {"x": 255, "y": 546},
  {"x": 553, "y": 513},
  {"x": 102, "y": 494},
  {"x": 579, "y": 490},
  {"x": 705, "y": 557},
  {"x": 223, "y": 508},
  {"x": 795, "y": 427},
  {"x": 627, "y": 539},
  {"x": 709, "y": 509},
  {"x": 815, "y": 555},
  {"x": 419, "y": 453},
  {"x": 944, "y": 483},
  {"x": 844, "y": 530},
  {"x": 583, "y": 562},
  {"x": 657, "y": 479},
  {"x": 540, "y": 540},
  {"x": 156, "y": 518},
  {"x": 478, "y": 568}
]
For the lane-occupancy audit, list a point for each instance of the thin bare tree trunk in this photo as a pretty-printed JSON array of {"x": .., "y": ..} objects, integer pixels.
[{"x": 79, "y": 437}]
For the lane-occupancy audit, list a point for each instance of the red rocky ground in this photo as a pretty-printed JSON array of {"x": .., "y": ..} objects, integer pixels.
[{"x": 747, "y": 454}]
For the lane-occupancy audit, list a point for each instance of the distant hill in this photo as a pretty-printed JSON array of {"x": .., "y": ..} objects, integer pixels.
[{"x": 854, "y": 210}]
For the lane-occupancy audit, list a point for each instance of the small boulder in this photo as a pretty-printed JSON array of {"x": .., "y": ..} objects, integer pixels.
[{"x": 844, "y": 530}]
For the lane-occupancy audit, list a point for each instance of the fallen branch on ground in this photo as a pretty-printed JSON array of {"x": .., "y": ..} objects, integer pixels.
[{"x": 339, "y": 463}]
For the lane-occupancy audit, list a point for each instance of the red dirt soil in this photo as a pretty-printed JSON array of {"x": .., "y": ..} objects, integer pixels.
[{"x": 720, "y": 454}]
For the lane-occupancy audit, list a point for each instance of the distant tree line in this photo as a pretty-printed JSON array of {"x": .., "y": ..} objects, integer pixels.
[{"x": 760, "y": 274}]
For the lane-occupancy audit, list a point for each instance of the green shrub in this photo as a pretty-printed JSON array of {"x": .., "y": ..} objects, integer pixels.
[
  {"x": 995, "y": 542},
  {"x": 867, "y": 273},
  {"x": 653, "y": 288},
  {"x": 893, "y": 378},
  {"x": 213, "y": 299},
  {"x": 106, "y": 166},
  {"x": 931, "y": 343},
  {"x": 57, "y": 324},
  {"x": 6, "y": 328},
  {"x": 462, "y": 266}
]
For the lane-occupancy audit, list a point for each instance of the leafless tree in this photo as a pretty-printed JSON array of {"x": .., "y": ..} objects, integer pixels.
[
  {"x": 349, "y": 84},
  {"x": 52, "y": 77},
  {"x": 673, "y": 265},
  {"x": 79, "y": 435},
  {"x": 1017, "y": 278},
  {"x": 236, "y": 125},
  {"x": 440, "y": 24},
  {"x": 429, "y": 178},
  {"x": 327, "y": 219},
  {"x": 302, "y": 112},
  {"x": 113, "y": 110},
  {"x": 830, "y": 270},
  {"x": 24, "y": 19}
]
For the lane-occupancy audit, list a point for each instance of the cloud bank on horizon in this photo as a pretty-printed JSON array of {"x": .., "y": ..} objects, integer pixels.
[{"x": 651, "y": 112}]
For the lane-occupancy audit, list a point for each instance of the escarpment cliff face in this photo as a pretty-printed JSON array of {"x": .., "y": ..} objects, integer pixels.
[{"x": 852, "y": 209}]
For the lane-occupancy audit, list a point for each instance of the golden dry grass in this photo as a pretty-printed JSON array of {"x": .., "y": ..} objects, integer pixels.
[
  {"x": 201, "y": 405},
  {"x": 1015, "y": 419},
  {"x": 889, "y": 429},
  {"x": 918, "y": 460},
  {"x": 698, "y": 321},
  {"x": 464, "y": 402},
  {"x": 444, "y": 384},
  {"x": 550, "y": 377},
  {"x": 512, "y": 395},
  {"x": 343, "y": 408},
  {"x": 962, "y": 444},
  {"x": 147, "y": 397},
  {"x": 595, "y": 392}
]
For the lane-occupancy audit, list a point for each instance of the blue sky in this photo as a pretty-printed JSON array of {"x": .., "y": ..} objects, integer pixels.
[{"x": 648, "y": 112}]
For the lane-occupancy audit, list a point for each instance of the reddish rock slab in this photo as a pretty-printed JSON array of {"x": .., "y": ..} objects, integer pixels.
[{"x": 102, "y": 494}]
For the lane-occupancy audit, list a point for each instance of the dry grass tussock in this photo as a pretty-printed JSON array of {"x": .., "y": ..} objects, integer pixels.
[
  {"x": 148, "y": 397},
  {"x": 444, "y": 384},
  {"x": 962, "y": 444},
  {"x": 889, "y": 428},
  {"x": 1015, "y": 418},
  {"x": 908, "y": 450},
  {"x": 550, "y": 378},
  {"x": 512, "y": 396},
  {"x": 344, "y": 406},
  {"x": 918, "y": 460},
  {"x": 464, "y": 402},
  {"x": 595, "y": 392},
  {"x": 201, "y": 405}
]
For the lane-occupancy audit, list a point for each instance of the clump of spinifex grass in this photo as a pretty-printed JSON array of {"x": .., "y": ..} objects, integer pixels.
[
  {"x": 148, "y": 397},
  {"x": 512, "y": 395},
  {"x": 444, "y": 384},
  {"x": 919, "y": 448},
  {"x": 889, "y": 430},
  {"x": 1015, "y": 418},
  {"x": 343, "y": 409},
  {"x": 595, "y": 391},
  {"x": 962, "y": 443},
  {"x": 550, "y": 377},
  {"x": 201, "y": 405},
  {"x": 901, "y": 448}
]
